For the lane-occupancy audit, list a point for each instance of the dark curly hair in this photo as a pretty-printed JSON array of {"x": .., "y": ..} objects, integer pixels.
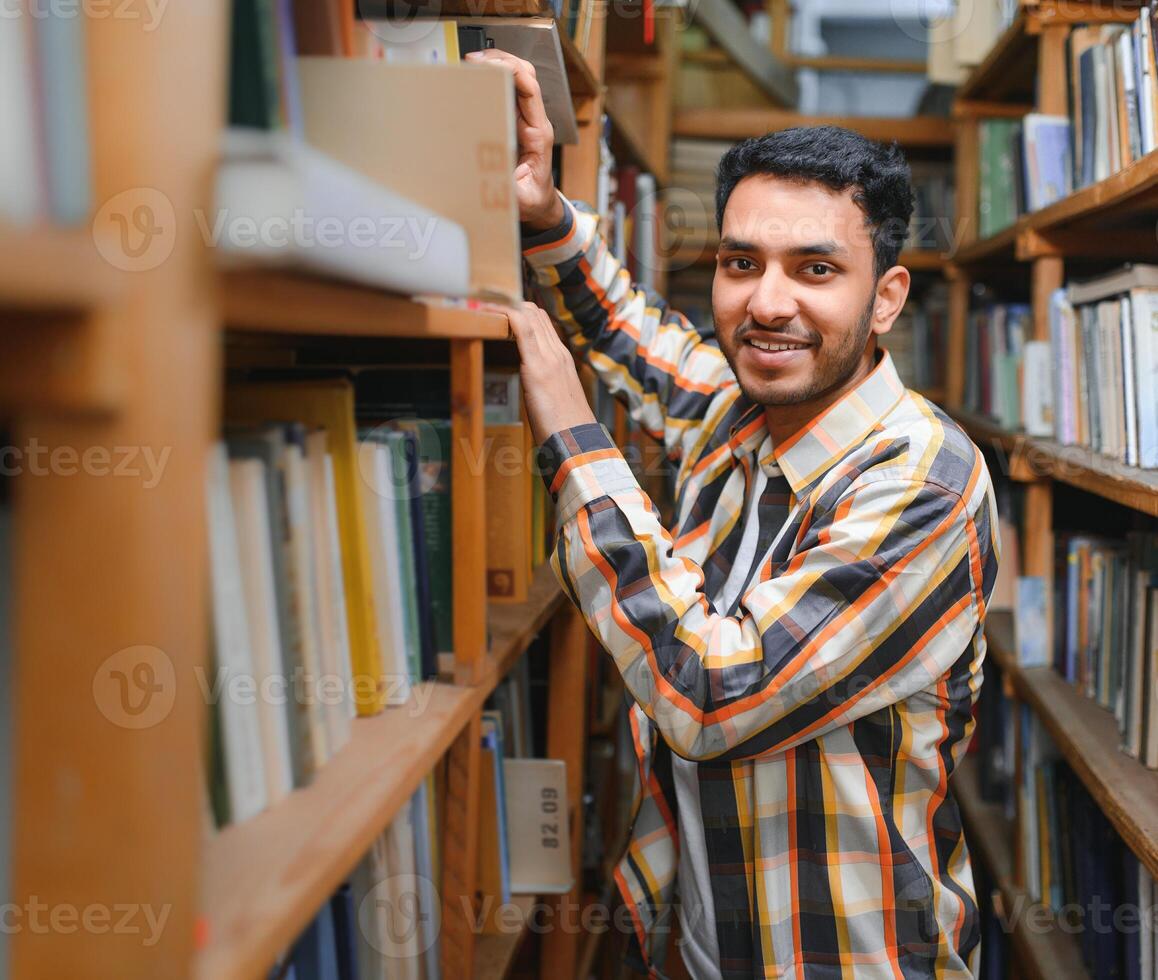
[{"x": 839, "y": 159}]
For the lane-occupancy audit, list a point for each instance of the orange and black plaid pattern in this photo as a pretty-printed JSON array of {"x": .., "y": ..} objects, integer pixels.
[{"x": 829, "y": 705}]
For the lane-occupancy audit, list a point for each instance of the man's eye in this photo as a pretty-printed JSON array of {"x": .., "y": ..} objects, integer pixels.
[
  {"x": 820, "y": 269},
  {"x": 741, "y": 264}
]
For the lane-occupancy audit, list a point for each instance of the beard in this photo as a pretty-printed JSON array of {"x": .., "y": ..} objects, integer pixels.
[{"x": 833, "y": 368}]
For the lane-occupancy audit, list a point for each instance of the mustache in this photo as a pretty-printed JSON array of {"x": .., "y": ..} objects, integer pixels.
[{"x": 796, "y": 333}]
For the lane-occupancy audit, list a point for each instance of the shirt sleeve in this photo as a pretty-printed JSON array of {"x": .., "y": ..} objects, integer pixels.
[
  {"x": 648, "y": 355},
  {"x": 881, "y": 597}
]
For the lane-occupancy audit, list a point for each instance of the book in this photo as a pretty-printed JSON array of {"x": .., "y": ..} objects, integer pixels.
[
  {"x": 21, "y": 190},
  {"x": 268, "y": 443},
  {"x": 1048, "y": 170},
  {"x": 328, "y": 403},
  {"x": 494, "y": 866},
  {"x": 1032, "y": 622},
  {"x": 461, "y": 170},
  {"x": 376, "y": 468},
  {"x": 240, "y": 724},
  {"x": 248, "y": 483},
  {"x": 282, "y": 204}
]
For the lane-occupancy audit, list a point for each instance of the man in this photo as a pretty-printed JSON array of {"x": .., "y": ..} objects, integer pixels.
[{"x": 804, "y": 646}]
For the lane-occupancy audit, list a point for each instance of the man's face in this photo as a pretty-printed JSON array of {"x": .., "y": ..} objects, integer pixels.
[{"x": 795, "y": 269}]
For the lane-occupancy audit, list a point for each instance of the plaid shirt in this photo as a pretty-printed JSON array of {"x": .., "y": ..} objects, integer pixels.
[{"x": 828, "y": 706}]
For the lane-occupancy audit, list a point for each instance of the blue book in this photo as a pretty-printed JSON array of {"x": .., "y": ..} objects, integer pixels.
[
  {"x": 1046, "y": 154},
  {"x": 1032, "y": 622},
  {"x": 493, "y": 740},
  {"x": 345, "y": 932},
  {"x": 315, "y": 955}
]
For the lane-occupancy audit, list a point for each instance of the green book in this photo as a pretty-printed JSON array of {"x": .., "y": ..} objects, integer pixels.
[{"x": 997, "y": 196}]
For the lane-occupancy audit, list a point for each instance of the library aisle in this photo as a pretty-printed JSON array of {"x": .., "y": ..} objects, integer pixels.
[{"x": 301, "y": 675}]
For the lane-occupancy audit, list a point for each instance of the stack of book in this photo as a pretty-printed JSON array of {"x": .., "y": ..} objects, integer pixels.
[
  {"x": 1071, "y": 859},
  {"x": 1105, "y": 629},
  {"x": 45, "y": 154},
  {"x": 934, "y": 205},
  {"x": 1024, "y": 166},
  {"x": 999, "y": 356},
  {"x": 1074, "y": 862},
  {"x": 383, "y": 921},
  {"x": 690, "y": 198},
  {"x": 1113, "y": 92},
  {"x": 917, "y": 339},
  {"x": 1105, "y": 365}
]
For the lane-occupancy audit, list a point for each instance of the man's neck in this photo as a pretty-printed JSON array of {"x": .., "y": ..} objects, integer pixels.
[{"x": 784, "y": 421}]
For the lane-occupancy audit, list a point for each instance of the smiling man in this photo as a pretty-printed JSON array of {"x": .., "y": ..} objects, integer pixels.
[{"x": 804, "y": 646}]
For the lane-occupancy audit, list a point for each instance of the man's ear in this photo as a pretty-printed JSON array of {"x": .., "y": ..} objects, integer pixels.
[{"x": 892, "y": 291}]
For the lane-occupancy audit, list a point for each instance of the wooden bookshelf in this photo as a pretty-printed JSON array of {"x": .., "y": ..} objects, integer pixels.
[
  {"x": 628, "y": 147},
  {"x": 580, "y": 77},
  {"x": 1087, "y": 736},
  {"x": 288, "y": 304},
  {"x": 1008, "y": 70},
  {"x": 1047, "y": 953},
  {"x": 920, "y": 132},
  {"x": 1034, "y": 458},
  {"x": 52, "y": 271},
  {"x": 726, "y": 26},
  {"x": 266, "y": 878},
  {"x": 495, "y": 953}
]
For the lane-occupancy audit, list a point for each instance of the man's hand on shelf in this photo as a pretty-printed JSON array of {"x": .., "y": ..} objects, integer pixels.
[
  {"x": 540, "y": 207},
  {"x": 552, "y": 391}
]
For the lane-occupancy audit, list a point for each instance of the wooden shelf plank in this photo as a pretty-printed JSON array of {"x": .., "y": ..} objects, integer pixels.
[
  {"x": 1046, "y": 954},
  {"x": 1075, "y": 465},
  {"x": 580, "y": 77},
  {"x": 1087, "y": 736},
  {"x": 1128, "y": 190},
  {"x": 494, "y": 953},
  {"x": 287, "y": 303},
  {"x": 996, "y": 248},
  {"x": 925, "y": 132},
  {"x": 54, "y": 270},
  {"x": 265, "y": 879}
]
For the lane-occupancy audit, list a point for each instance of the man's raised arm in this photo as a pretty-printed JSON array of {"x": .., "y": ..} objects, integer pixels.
[{"x": 648, "y": 355}]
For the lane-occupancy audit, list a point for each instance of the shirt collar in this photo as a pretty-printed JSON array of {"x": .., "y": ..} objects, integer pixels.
[{"x": 812, "y": 451}]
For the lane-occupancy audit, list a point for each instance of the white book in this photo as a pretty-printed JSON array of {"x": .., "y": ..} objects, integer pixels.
[
  {"x": 374, "y": 465},
  {"x": 1146, "y": 899},
  {"x": 21, "y": 187},
  {"x": 1144, "y": 312},
  {"x": 337, "y": 689},
  {"x": 297, "y": 494},
  {"x": 428, "y": 896},
  {"x": 240, "y": 725},
  {"x": 1129, "y": 396},
  {"x": 403, "y": 948},
  {"x": 1037, "y": 406},
  {"x": 274, "y": 193},
  {"x": 247, "y": 481}
]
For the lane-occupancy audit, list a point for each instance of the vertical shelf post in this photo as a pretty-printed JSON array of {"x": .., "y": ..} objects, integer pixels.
[
  {"x": 460, "y": 852},
  {"x": 567, "y": 740},
  {"x": 468, "y": 505},
  {"x": 110, "y": 567}
]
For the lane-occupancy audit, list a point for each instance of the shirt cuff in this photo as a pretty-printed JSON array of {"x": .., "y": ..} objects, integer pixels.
[
  {"x": 543, "y": 249},
  {"x": 581, "y": 465}
]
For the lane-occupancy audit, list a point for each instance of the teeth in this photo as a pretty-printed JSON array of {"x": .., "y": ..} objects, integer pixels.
[{"x": 774, "y": 347}]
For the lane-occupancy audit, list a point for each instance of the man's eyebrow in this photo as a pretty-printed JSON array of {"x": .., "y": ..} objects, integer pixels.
[
  {"x": 819, "y": 248},
  {"x": 736, "y": 245}
]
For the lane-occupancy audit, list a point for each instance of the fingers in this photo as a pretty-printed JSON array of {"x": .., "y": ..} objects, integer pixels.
[{"x": 527, "y": 89}]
